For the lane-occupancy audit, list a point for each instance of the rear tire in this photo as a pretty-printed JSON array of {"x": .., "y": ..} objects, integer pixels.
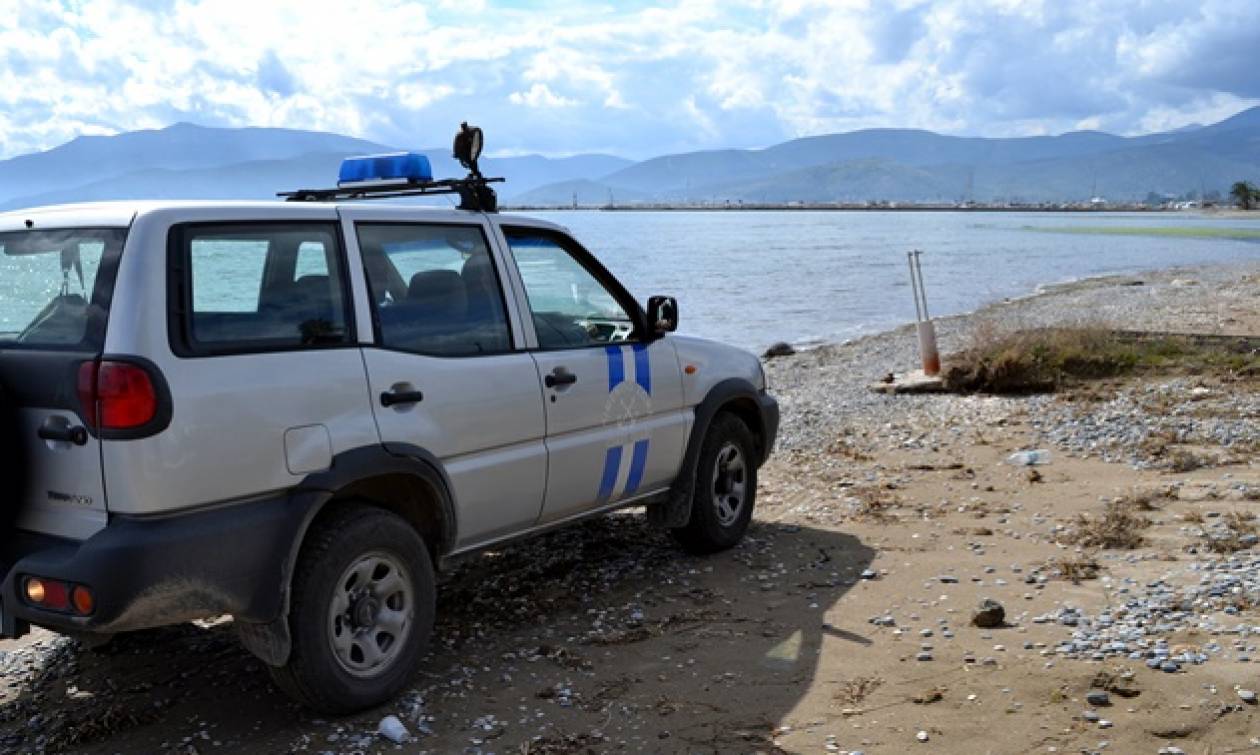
[
  {"x": 725, "y": 488},
  {"x": 361, "y": 612}
]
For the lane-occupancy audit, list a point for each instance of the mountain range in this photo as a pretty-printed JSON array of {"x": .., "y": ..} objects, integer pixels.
[{"x": 902, "y": 165}]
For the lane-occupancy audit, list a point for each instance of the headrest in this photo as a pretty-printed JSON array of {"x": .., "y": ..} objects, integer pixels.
[
  {"x": 438, "y": 289},
  {"x": 311, "y": 285}
]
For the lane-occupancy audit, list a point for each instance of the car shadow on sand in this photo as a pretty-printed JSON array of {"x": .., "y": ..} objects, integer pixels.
[{"x": 600, "y": 636}]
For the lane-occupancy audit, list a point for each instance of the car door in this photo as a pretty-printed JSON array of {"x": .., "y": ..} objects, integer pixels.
[
  {"x": 615, "y": 421},
  {"x": 444, "y": 371}
]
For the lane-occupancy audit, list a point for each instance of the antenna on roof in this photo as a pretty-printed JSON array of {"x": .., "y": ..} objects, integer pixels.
[{"x": 409, "y": 174}]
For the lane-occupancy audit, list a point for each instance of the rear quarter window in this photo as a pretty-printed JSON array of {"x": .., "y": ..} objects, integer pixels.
[{"x": 56, "y": 285}]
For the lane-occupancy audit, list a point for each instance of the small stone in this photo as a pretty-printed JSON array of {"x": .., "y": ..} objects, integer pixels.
[
  {"x": 1091, "y": 716},
  {"x": 989, "y": 614},
  {"x": 869, "y": 574},
  {"x": 1098, "y": 697},
  {"x": 921, "y": 736},
  {"x": 924, "y": 656},
  {"x": 1247, "y": 696}
]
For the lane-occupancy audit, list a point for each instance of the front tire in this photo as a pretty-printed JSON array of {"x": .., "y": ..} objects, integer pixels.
[
  {"x": 361, "y": 613},
  {"x": 725, "y": 489}
]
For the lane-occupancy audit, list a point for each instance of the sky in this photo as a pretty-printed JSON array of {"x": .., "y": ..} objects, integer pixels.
[{"x": 628, "y": 78}]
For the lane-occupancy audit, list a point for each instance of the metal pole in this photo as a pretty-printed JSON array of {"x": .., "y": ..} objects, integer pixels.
[
  {"x": 918, "y": 263},
  {"x": 914, "y": 288}
]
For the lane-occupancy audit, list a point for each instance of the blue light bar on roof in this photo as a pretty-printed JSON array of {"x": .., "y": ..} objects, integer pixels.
[{"x": 398, "y": 166}]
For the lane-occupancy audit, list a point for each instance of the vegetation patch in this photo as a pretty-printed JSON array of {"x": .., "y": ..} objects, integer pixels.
[
  {"x": 1047, "y": 359},
  {"x": 1235, "y": 532},
  {"x": 1074, "y": 570},
  {"x": 1119, "y": 527},
  {"x": 854, "y": 691}
]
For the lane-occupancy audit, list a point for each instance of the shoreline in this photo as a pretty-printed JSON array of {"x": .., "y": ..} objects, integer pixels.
[
  {"x": 1153, "y": 277},
  {"x": 826, "y": 385}
]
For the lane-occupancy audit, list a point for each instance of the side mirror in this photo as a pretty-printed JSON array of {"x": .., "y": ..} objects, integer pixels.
[{"x": 662, "y": 314}]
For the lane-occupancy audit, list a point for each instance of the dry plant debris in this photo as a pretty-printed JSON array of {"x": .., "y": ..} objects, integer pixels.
[{"x": 1118, "y": 528}]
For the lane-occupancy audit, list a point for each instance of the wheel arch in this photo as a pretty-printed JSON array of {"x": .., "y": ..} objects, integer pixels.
[
  {"x": 737, "y": 396},
  {"x": 404, "y": 479}
]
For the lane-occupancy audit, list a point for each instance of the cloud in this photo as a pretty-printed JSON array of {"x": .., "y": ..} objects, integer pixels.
[
  {"x": 540, "y": 95},
  {"x": 564, "y": 76}
]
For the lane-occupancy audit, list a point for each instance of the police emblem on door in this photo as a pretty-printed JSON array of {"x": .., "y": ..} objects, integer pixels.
[{"x": 629, "y": 399}]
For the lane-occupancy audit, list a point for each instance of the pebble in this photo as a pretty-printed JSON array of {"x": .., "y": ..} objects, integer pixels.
[
  {"x": 989, "y": 614},
  {"x": 1098, "y": 697},
  {"x": 1247, "y": 696},
  {"x": 922, "y": 736}
]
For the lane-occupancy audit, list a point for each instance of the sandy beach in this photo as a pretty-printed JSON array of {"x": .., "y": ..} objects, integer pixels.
[{"x": 844, "y": 622}]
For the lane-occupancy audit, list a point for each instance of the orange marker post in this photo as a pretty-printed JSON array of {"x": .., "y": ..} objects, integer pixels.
[{"x": 923, "y": 322}]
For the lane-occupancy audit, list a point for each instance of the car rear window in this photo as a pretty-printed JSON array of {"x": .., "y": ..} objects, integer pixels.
[{"x": 55, "y": 286}]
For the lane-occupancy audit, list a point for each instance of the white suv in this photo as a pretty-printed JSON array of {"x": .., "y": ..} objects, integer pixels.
[{"x": 294, "y": 412}]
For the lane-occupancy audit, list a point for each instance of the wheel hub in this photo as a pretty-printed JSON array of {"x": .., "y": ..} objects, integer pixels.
[
  {"x": 363, "y": 612},
  {"x": 729, "y": 484}
]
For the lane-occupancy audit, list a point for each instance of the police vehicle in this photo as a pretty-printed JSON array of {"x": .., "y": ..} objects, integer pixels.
[{"x": 294, "y": 412}]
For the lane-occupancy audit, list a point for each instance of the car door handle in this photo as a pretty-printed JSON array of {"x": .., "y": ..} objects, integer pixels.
[
  {"x": 391, "y": 398},
  {"x": 76, "y": 434},
  {"x": 559, "y": 377}
]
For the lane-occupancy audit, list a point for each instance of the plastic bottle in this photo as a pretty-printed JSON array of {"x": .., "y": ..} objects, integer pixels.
[{"x": 1029, "y": 458}]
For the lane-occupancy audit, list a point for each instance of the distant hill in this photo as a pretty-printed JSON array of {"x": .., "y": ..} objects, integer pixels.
[
  {"x": 196, "y": 162},
  {"x": 183, "y": 146},
  {"x": 914, "y": 166},
  {"x": 903, "y": 165}
]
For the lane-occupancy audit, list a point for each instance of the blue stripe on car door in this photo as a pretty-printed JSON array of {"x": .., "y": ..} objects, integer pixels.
[
  {"x": 612, "y": 465},
  {"x": 616, "y": 370},
  {"x": 638, "y": 460},
  {"x": 642, "y": 368}
]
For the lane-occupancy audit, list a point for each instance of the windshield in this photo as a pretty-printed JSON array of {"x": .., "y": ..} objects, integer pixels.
[{"x": 52, "y": 293}]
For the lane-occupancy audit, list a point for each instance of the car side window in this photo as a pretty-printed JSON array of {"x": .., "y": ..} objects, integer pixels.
[
  {"x": 435, "y": 289},
  {"x": 570, "y": 306},
  {"x": 259, "y": 287}
]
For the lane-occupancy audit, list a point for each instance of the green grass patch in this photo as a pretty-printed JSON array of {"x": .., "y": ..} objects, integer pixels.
[
  {"x": 1046, "y": 359},
  {"x": 1179, "y": 232}
]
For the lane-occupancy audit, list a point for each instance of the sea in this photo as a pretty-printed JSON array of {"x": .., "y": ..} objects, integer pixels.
[{"x": 753, "y": 278}]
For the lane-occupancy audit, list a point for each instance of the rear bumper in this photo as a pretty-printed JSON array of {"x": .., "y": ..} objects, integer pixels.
[
  {"x": 769, "y": 408},
  {"x": 148, "y": 572}
]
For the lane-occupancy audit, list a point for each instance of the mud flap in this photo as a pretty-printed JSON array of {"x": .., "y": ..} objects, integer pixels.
[
  {"x": 11, "y": 627},
  {"x": 674, "y": 510},
  {"x": 269, "y": 642}
]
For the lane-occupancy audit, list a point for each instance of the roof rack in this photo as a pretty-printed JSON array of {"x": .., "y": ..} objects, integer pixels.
[
  {"x": 408, "y": 174},
  {"x": 474, "y": 193}
]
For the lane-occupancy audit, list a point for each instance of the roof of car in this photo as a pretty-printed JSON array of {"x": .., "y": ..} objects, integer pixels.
[{"x": 123, "y": 212}]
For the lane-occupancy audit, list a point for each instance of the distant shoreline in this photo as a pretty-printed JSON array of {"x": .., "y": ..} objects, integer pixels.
[{"x": 833, "y": 207}]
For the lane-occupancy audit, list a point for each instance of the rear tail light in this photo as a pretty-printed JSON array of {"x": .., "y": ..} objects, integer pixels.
[
  {"x": 117, "y": 395},
  {"x": 55, "y": 595}
]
